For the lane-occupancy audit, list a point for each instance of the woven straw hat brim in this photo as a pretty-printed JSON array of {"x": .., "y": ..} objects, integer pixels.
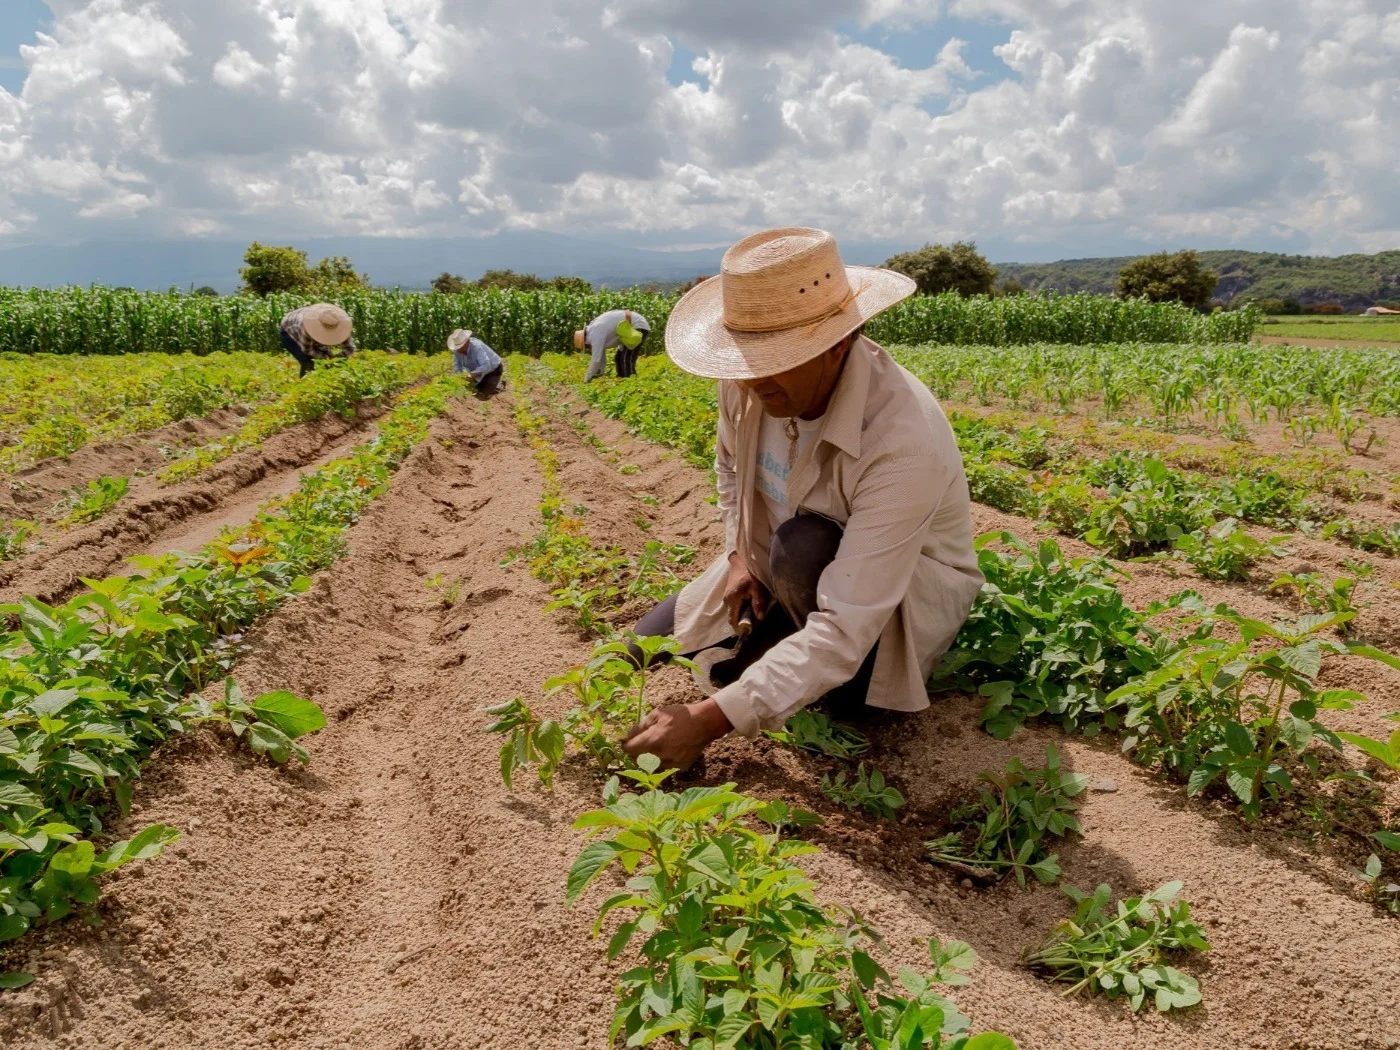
[
  {"x": 458, "y": 339},
  {"x": 326, "y": 336},
  {"x": 698, "y": 341}
]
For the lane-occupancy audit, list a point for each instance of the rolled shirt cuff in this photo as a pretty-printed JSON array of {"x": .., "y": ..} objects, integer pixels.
[{"x": 738, "y": 708}]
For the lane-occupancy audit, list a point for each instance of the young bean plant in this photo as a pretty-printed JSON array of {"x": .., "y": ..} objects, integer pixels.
[
  {"x": 864, "y": 789},
  {"x": 1119, "y": 949},
  {"x": 1012, "y": 825},
  {"x": 735, "y": 949}
]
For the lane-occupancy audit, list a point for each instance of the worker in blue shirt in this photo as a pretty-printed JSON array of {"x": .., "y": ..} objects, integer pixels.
[{"x": 479, "y": 361}]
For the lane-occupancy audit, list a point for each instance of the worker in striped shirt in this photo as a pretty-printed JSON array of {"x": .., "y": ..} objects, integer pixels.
[{"x": 315, "y": 333}]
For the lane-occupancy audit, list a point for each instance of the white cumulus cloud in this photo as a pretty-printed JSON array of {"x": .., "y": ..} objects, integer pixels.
[{"x": 1098, "y": 122}]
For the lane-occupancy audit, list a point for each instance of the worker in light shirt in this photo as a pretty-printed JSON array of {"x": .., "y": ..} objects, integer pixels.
[
  {"x": 626, "y": 330},
  {"x": 848, "y": 527},
  {"x": 481, "y": 364}
]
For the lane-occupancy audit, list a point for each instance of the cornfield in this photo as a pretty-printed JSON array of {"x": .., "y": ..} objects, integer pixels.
[{"x": 109, "y": 321}]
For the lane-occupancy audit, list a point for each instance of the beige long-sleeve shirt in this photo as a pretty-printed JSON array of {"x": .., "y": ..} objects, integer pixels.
[{"x": 885, "y": 465}]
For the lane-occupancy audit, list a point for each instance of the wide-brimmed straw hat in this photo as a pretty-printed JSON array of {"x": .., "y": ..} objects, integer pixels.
[
  {"x": 578, "y": 339},
  {"x": 458, "y": 339},
  {"x": 326, "y": 323},
  {"x": 781, "y": 298}
]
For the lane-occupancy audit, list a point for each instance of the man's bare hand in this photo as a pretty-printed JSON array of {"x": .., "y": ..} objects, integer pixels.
[
  {"x": 678, "y": 734},
  {"x": 742, "y": 586}
]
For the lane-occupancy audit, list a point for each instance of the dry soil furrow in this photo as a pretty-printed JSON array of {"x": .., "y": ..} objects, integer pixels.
[
  {"x": 153, "y": 518},
  {"x": 30, "y": 493}
]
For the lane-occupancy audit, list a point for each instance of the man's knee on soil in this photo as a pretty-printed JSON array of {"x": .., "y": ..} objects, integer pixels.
[{"x": 802, "y": 547}]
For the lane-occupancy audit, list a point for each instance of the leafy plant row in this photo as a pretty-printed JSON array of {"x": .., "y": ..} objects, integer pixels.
[
  {"x": 1228, "y": 384},
  {"x": 93, "y": 685},
  {"x": 338, "y": 386},
  {"x": 54, "y": 406},
  {"x": 1127, "y": 504},
  {"x": 109, "y": 321}
]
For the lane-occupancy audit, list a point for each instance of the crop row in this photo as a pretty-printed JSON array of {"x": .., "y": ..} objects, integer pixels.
[
  {"x": 1126, "y": 504},
  {"x": 111, "y": 321},
  {"x": 94, "y": 685},
  {"x": 53, "y": 406},
  {"x": 337, "y": 386},
  {"x": 1228, "y": 385}
]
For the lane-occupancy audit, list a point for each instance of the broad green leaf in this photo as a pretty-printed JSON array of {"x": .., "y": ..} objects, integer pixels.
[
  {"x": 595, "y": 857},
  {"x": 50, "y": 703},
  {"x": 1388, "y": 839},
  {"x": 1372, "y": 653},
  {"x": 989, "y": 1041},
  {"x": 1239, "y": 739},
  {"x": 290, "y": 713},
  {"x": 15, "y": 979},
  {"x": 147, "y": 843}
]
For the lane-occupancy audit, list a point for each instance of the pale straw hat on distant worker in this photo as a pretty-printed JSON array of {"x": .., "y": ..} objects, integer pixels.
[
  {"x": 578, "y": 339},
  {"x": 782, "y": 297},
  {"x": 458, "y": 339},
  {"x": 326, "y": 323}
]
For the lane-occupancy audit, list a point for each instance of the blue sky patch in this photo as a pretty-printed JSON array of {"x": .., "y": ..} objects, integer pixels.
[{"x": 19, "y": 21}]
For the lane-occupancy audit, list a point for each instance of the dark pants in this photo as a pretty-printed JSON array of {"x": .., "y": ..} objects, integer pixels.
[
  {"x": 802, "y": 548},
  {"x": 626, "y": 360},
  {"x": 490, "y": 383},
  {"x": 294, "y": 348}
]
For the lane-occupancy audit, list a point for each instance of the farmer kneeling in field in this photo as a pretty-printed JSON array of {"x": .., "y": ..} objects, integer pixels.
[
  {"x": 472, "y": 356},
  {"x": 848, "y": 529},
  {"x": 318, "y": 331},
  {"x": 625, "y": 329}
]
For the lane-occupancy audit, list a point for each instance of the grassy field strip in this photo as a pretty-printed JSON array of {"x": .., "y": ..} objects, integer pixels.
[
  {"x": 53, "y": 406},
  {"x": 92, "y": 686},
  {"x": 1380, "y": 330}
]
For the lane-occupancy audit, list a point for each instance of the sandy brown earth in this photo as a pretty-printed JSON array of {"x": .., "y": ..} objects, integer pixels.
[{"x": 394, "y": 894}]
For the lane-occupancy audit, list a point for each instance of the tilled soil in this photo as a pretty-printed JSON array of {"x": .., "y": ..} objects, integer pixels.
[
  {"x": 394, "y": 895},
  {"x": 153, "y": 517}
]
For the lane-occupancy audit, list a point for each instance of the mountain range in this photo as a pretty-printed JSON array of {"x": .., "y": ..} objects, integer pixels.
[{"x": 1352, "y": 281}]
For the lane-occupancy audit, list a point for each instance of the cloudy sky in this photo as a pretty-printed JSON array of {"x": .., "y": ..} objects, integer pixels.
[{"x": 1040, "y": 128}]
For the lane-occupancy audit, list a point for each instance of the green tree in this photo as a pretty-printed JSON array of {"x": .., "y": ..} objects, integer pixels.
[
  {"x": 270, "y": 268},
  {"x": 1165, "y": 277},
  {"x": 568, "y": 284},
  {"x": 336, "y": 274},
  {"x": 449, "y": 283},
  {"x": 509, "y": 279},
  {"x": 205, "y": 290},
  {"x": 958, "y": 267}
]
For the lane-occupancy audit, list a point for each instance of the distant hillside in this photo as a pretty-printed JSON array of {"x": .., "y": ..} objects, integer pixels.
[{"x": 1354, "y": 281}]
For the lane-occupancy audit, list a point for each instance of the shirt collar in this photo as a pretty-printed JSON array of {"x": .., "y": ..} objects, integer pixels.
[{"x": 845, "y": 414}]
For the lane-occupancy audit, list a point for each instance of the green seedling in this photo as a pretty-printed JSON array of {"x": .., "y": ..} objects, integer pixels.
[
  {"x": 14, "y": 538},
  {"x": 735, "y": 949},
  {"x": 865, "y": 790},
  {"x": 1232, "y": 709},
  {"x": 93, "y": 500},
  {"x": 609, "y": 691},
  {"x": 815, "y": 732},
  {"x": 1118, "y": 949},
  {"x": 1316, "y": 594},
  {"x": 1011, "y": 827},
  {"x": 1225, "y": 551}
]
